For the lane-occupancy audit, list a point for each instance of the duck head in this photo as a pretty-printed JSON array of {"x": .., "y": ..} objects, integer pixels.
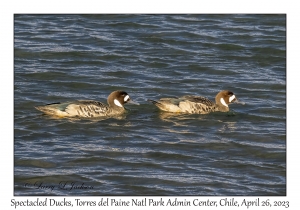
[
  {"x": 118, "y": 98},
  {"x": 224, "y": 98}
]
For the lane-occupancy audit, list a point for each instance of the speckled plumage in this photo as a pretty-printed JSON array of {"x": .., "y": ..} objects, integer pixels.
[
  {"x": 196, "y": 104},
  {"x": 88, "y": 108}
]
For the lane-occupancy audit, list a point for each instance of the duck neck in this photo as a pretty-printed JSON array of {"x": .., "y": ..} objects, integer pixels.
[{"x": 222, "y": 108}]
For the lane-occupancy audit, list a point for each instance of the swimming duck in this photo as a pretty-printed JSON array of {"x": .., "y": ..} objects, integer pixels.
[
  {"x": 89, "y": 108},
  {"x": 197, "y": 104}
]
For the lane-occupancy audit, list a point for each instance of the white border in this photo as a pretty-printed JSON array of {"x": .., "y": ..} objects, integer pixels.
[{"x": 9, "y": 8}]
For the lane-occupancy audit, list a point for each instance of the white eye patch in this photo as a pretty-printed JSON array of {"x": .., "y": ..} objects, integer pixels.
[
  {"x": 231, "y": 98},
  {"x": 223, "y": 102},
  {"x": 126, "y": 98},
  {"x": 118, "y": 103}
]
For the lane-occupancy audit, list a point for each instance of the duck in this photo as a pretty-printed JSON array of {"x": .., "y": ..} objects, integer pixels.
[
  {"x": 197, "y": 104},
  {"x": 89, "y": 108}
]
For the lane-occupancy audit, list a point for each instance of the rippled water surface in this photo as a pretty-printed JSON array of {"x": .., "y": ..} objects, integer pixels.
[{"x": 146, "y": 151}]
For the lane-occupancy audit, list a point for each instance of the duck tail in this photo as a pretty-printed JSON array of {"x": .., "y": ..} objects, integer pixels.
[
  {"x": 44, "y": 109},
  {"x": 158, "y": 104},
  {"x": 154, "y": 102},
  {"x": 52, "y": 109}
]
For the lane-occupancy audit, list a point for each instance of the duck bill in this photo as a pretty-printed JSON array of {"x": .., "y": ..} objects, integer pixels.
[
  {"x": 132, "y": 102},
  {"x": 236, "y": 101}
]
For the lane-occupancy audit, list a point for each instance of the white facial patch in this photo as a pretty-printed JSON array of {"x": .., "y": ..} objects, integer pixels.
[
  {"x": 223, "y": 102},
  {"x": 231, "y": 98},
  {"x": 126, "y": 97},
  {"x": 118, "y": 103}
]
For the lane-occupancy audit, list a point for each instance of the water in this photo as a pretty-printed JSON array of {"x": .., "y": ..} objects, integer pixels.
[{"x": 146, "y": 151}]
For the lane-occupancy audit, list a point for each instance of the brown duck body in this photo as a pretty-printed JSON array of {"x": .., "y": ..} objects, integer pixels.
[
  {"x": 89, "y": 108},
  {"x": 196, "y": 104}
]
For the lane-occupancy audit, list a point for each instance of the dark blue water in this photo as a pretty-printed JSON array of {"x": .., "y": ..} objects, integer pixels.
[{"x": 146, "y": 151}]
